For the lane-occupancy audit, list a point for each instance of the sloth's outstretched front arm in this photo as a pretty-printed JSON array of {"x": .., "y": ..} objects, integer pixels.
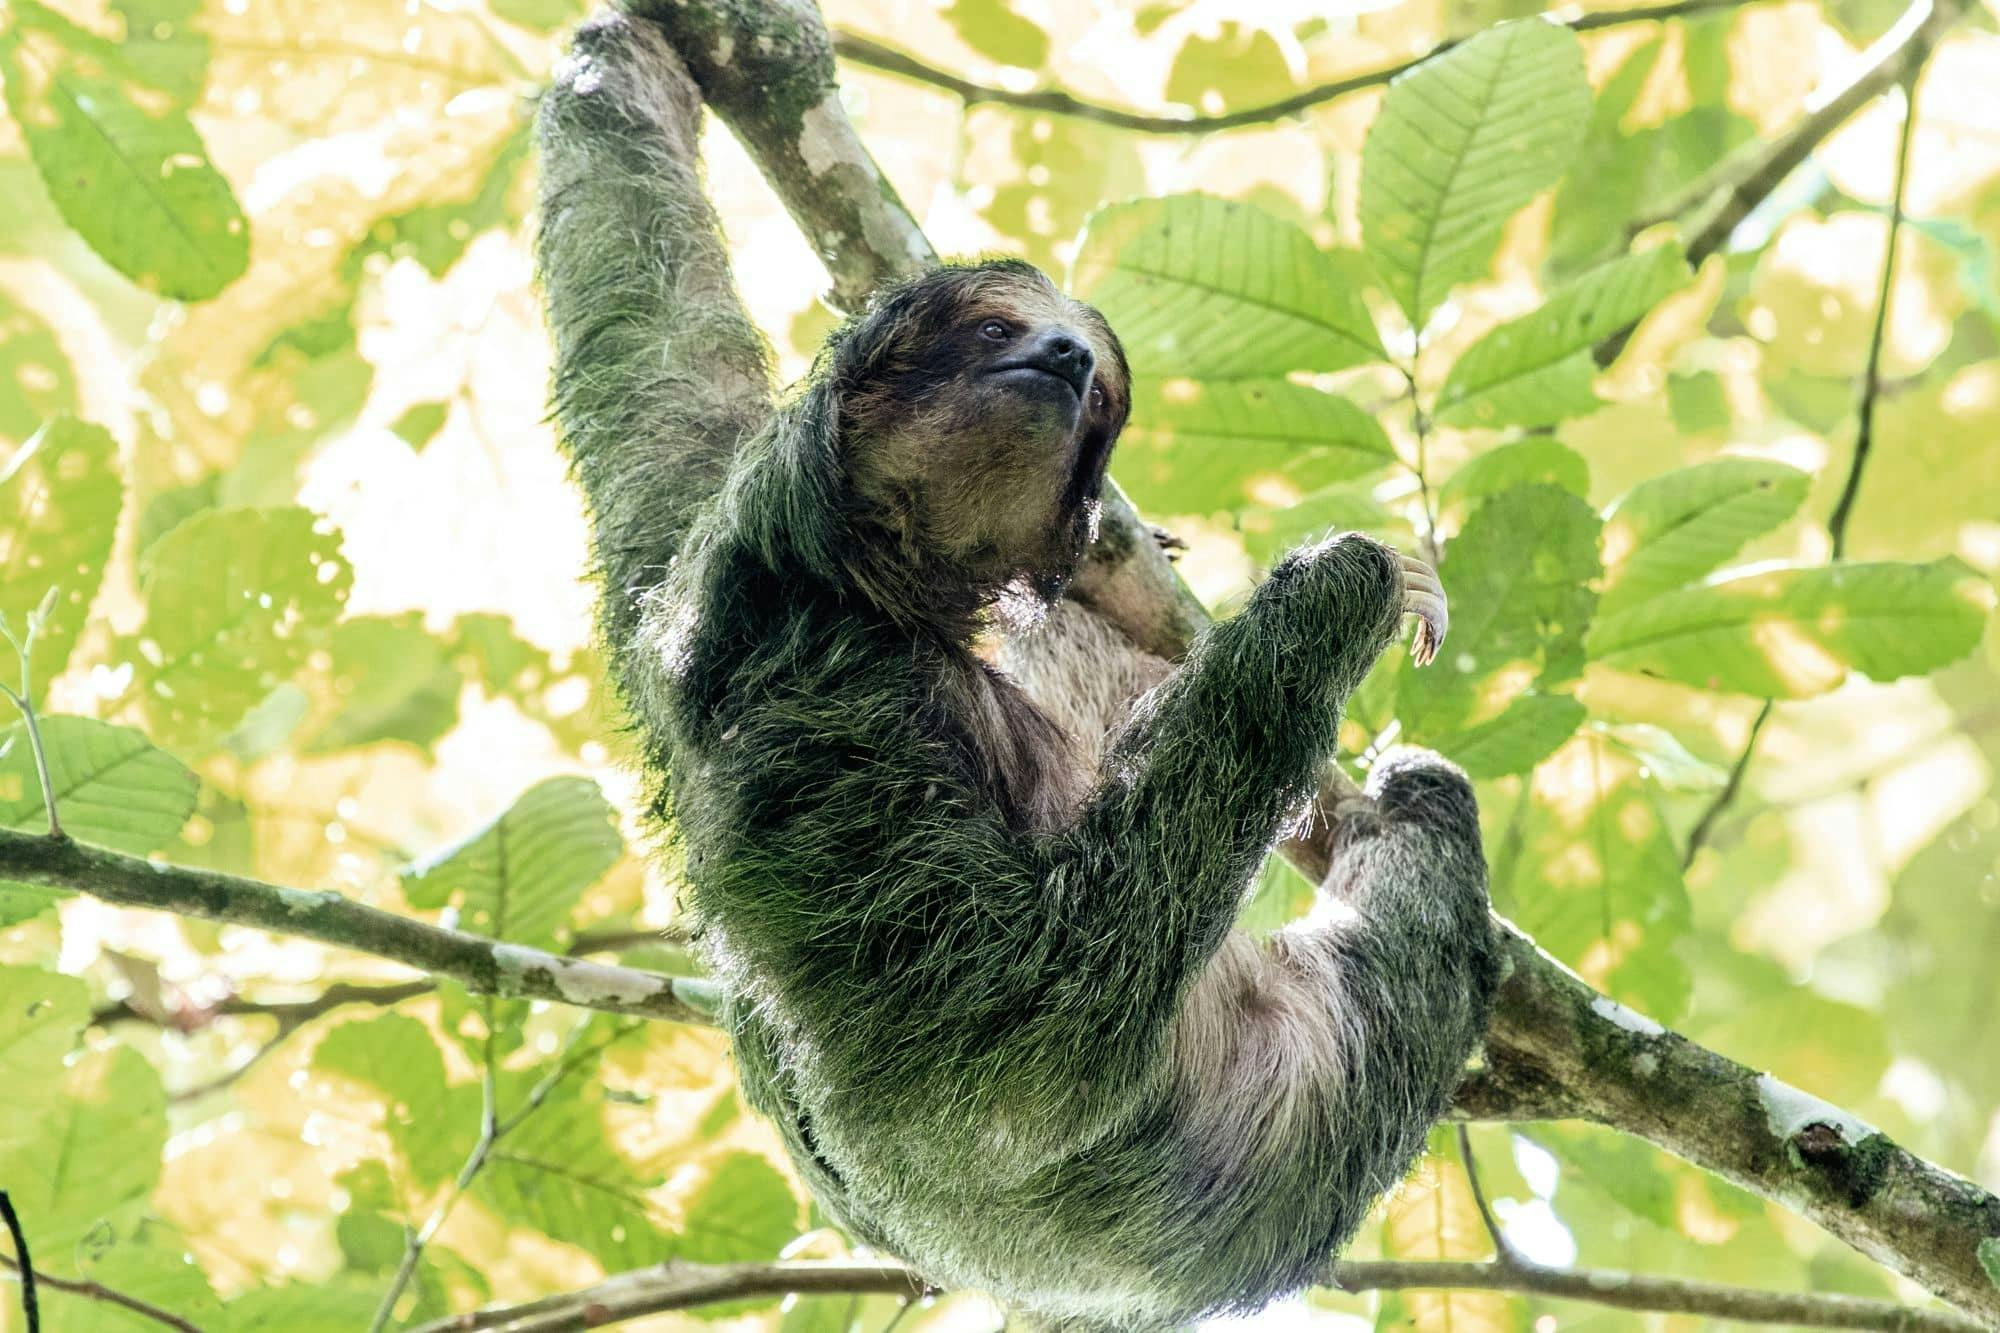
[
  {"x": 659, "y": 374},
  {"x": 1196, "y": 787}
]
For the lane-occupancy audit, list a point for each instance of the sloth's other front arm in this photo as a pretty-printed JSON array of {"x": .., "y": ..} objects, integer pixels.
[{"x": 659, "y": 374}]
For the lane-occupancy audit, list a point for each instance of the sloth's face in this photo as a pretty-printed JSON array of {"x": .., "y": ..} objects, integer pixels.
[{"x": 985, "y": 418}]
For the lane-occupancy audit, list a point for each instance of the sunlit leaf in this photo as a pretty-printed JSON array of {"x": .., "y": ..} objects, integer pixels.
[
  {"x": 558, "y": 1175},
  {"x": 1597, "y": 880},
  {"x": 1197, "y": 445},
  {"x": 396, "y": 1056},
  {"x": 1233, "y": 65},
  {"x": 1529, "y": 731},
  {"x": 112, "y": 787},
  {"x": 1432, "y": 1216},
  {"x": 994, "y": 30},
  {"x": 1537, "y": 370},
  {"x": 235, "y": 600},
  {"x": 42, "y": 1014},
  {"x": 148, "y": 1262},
  {"x": 518, "y": 878},
  {"x": 88, "y": 1154},
  {"x": 36, "y": 381},
  {"x": 1671, "y": 529},
  {"x": 1518, "y": 577},
  {"x": 135, "y": 182},
  {"x": 1208, "y": 288},
  {"x": 1462, "y": 143},
  {"x": 743, "y": 1211},
  {"x": 1538, "y": 459},
  {"x": 59, "y": 499},
  {"x": 420, "y": 425},
  {"x": 394, "y": 682},
  {"x": 1792, "y": 633}
]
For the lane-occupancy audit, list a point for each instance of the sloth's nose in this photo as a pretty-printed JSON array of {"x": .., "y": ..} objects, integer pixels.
[{"x": 1060, "y": 350}]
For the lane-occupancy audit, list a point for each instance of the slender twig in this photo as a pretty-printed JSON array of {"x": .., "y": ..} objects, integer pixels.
[
  {"x": 682, "y": 1286},
  {"x": 1728, "y": 193},
  {"x": 1503, "y": 1250},
  {"x": 1420, "y": 423},
  {"x": 97, "y": 1291},
  {"x": 483, "y": 966},
  {"x": 24, "y": 703},
  {"x": 871, "y": 54},
  {"x": 24, "y": 1264},
  {"x": 1871, "y": 381},
  {"x": 1705, "y": 826}
]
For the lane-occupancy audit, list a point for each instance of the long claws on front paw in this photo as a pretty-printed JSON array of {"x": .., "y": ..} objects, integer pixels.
[{"x": 1423, "y": 597}]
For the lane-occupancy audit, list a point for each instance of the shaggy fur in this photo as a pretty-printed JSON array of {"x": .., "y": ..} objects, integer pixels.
[{"x": 979, "y": 958}]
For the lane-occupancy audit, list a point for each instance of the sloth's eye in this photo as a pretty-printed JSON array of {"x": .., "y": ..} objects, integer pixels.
[
  {"x": 1096, "y": 396},
  {"x": 995, "y": 330}
]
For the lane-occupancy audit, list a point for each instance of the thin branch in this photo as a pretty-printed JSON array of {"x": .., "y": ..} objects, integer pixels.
[
  {"x": 290, "y": 1014},
  {"x": 97, "y": 1291},
  {"x": 871, "y": 54},
  {"x": 24, "y": 1264},
  {"x": 485, "y": 967},
  {"x": 682, "y": 1286},
  {"x": 1705, "y": 826},
  {"x": 1420, "y": 423},
  {"x": 1504, "y": 1254},
  {"x": 1723, "y": 197},
  {"x": 1871, "y": 383}
]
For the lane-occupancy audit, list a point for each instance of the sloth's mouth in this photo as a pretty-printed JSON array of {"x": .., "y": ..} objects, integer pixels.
[{"x": 1033, "y": 373}]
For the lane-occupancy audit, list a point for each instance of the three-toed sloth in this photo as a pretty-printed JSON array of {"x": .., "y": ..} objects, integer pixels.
[{"x": 979, "y": 962}]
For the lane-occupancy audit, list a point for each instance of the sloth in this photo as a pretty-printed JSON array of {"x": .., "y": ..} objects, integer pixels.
[{"x": 978, "y": 952}]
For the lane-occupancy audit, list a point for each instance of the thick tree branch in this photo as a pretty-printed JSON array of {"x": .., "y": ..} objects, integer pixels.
[
  {"x": 871, "y": 54},
  {"x": 681, "y": 1286},
  {"x": 484, "y": 967}
]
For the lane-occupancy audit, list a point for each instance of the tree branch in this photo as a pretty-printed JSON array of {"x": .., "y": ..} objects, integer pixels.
[
  {"x": 1724, "y": 196},
  {"x": 485, "y": 967},
  {"x": 871, "y": 54},
  {"x": 1704, "y": 827},
  {"x": 681, "y": 1286},
  {"x": 96, "y": 1291}
]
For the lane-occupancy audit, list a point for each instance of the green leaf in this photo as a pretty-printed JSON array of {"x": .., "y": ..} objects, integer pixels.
[
  {"x": 1536, "y": 460},
  {"x": 1989, "y": 1259},
  {"x": 339, "y": 1305},
  {"x": 41, "y": 1016},
  {"x": 134, "y": 181},
  {"x": 1532, "y": 728},
  {"x": 1270, "y": 531},
  {"x": 420, "y": 425},
  {"x": 518, "y": 878},
  {"x": 1208, "y": 288},
  {"x": 148, "y": 1262},
  {"x": 1671, "y": 529},
  {"x": 36, "y": 381},
  {"x": 112, "y": 786},
  {"x": 59, "y": 500},
  {"x": 558, "y": 1174},
  {"x": 744, "y": 1211},
  {"x": 1229, "y": 65},
  {"x": 541, "y": 15},
  {"x": 397, "y": 1056},
  {"x": 1597, "y": 881},
  {"x": 998, "y": 33},
  {"x": 1460, "y": 145},
  {"x": 1537, "y": 370},
  {"x": 235, "y": 601},
  {"x": 1518, "y": 577},
  {"x": 395, "y": 683},
  {"x": 87, "y": 1150},
  {"x": 1793, "y": 633},
  {"x": 1196, "y": 446}
]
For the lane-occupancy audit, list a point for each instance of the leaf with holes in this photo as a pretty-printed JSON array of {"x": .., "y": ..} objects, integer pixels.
[
  {"x": 1671, "y": 529},
  {"x": 1537, "y": 370},
  {"x": 1460, "y": 145},
  {"x": 1205, "y": 287},
  {"x": 1194, "y": 446},
  {"x": 397, "y": 1057},
  {"x": 236, "y": 599},
  {"x": 1793, "y": 633},
  {"x": 518, "y": 878},
  {"x": 134, "y": 179},
  {"x": 36, "y": 381},
  {"x": 59, "y": 501}
]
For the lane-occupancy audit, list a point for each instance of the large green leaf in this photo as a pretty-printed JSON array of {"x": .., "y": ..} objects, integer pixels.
[
  {"x": 518, "y": 878},
  {"x": 132, "y": 177},
  {"x": 1518, "y": 576},
  {"x": 1195, "y": 446},
  {"x": 37, "y": 382},
  {"x": 395, "y": 681},
  {"x": 1792, "y": 633},
  {"x": 41, "y": 1015},
  {"x": 59, "y": 499},
  {"x": 86, "y": 1150},
  {"x": 1461, "y": 143},
  {"x": 1537, "y": 370},
  {"x": 558, "y": 1174},
  {"x": 235, "y": 600},
  {"x": 1597, "y": 878},
  {"x": 397, "y": 1056},
  {"x": 148, "y": 1262},
  {"x": 1529, "y": 731},
  {"x": 1209, "y": 288},
  {"x": 743, "y": 1211},
  {"x": 1539, "y": 459},
  {"x": 1672, "y": 529}
]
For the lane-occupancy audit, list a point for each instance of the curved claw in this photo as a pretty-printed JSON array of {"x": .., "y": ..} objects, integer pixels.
[{"x": 1423, "y": 597}]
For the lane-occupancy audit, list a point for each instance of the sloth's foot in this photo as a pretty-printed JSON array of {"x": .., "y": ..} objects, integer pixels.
[{"x": 1423, "y": 597}]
